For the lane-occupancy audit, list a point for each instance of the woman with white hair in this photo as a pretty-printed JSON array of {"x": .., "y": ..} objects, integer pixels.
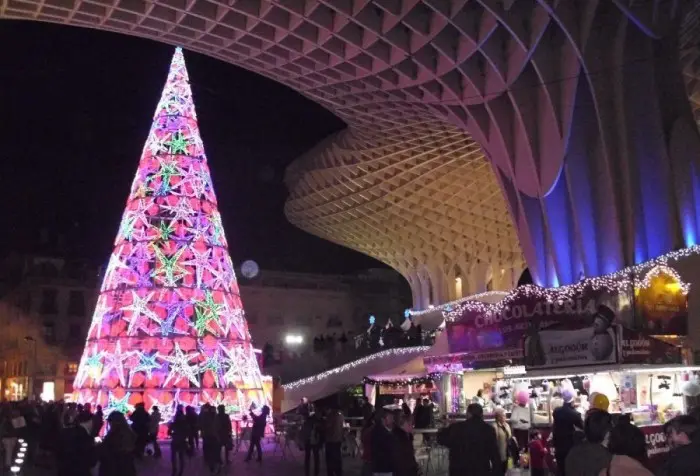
[{"x": 503, "y": 436}]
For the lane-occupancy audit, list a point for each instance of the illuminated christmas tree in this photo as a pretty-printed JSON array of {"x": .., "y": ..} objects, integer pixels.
[{"x": 169, "y": 325}]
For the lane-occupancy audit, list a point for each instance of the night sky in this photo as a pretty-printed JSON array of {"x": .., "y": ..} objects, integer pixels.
[{"x": 75, "y": 110}]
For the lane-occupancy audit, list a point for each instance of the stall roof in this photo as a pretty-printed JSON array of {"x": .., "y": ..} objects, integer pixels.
[
  {"x": 411, "y": 369},
  {"x": 594, "y": 369}
]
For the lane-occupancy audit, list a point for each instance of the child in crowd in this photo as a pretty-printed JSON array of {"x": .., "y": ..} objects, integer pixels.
[{"x": 538, "y": 454}]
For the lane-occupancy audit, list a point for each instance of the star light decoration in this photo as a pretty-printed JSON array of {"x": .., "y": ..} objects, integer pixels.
[
  {"x": 180, "y": 366},
  {"x": 170, "y": 281},
  {"x": 147, "y": 364},
  {"x": 117, "y": 404},
  {"x": 624, "y": 280},
  {"x": 114, "y": 361},
  {"x": 141, "y": 314}
]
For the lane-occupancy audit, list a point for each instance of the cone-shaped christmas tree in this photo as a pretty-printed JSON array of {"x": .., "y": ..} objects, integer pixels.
[{"x": 169, "y": 326}]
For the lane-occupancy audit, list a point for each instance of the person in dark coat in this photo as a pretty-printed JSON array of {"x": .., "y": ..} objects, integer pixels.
[
  {"x": 211, "y": 447},
  {"x": 223, "y": 426},
  {"x": 683, "y": 435},
  {"x": 473, "y": 446},
  {"x": 98, "y": 421},
  {"x": 192, "y": 429},
  {"x": 313, "y": 442},
  {"x": 567, "y": 422},
  {"x": 76, "y": 453},
  {"x": 405, "y": 463},
  {"x": 258, "y": 432},
  {"x": 589, "y": 457},
  {"x": 118, "y": 448},
  {"x": 140, "y": 424},
  {"x": 382, "y": 443},
  {"x": 179, "y": 432}
]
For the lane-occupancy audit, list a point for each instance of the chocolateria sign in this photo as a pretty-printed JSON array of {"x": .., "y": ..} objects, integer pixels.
[
  {"x": 530, "y": 327},
  {"x": 539, "y": 332}
]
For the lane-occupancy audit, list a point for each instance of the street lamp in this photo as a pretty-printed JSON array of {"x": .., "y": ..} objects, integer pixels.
[{"x": 32, "y": 379}]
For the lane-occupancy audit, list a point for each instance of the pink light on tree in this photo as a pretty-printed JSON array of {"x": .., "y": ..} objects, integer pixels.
[{"x": 169, "y": 327}]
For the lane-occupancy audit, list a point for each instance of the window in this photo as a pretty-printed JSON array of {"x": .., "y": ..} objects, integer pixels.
[
  {"x": 76, "y": 304},
  {"x": 75, "y": 331},
  {"x": 72, "y": 368},
  {"x": 48, "y": 301},
  {"x": 49, "y": 332}
]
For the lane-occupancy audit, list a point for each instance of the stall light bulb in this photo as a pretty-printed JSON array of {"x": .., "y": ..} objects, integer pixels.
[{"x": 15, "y": 469}]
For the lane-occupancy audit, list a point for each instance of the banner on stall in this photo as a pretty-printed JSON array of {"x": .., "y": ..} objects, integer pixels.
[
  {"x": 531, "y": 329},
  {"x": 637, "y": 347},
  {"x": 570, "y": 348}
]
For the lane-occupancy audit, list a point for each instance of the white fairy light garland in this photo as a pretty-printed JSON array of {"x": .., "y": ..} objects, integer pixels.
[
  {"x": 355, "y": 363},
  {"x": 618, "y": 280},
  {"x": 441, "y": 307}
]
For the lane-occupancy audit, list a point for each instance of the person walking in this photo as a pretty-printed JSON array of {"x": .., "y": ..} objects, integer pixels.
[
  {"x": 590, "y": 456},
  {"x": 313, "y": 442},
  {"x": 140, "y": 424},
  {"x": 211, "y": 446},
  {"x": 192, "y": 429},
  {"x": 628, "y": 446},
  {"x": 567, "y": 421},
  {"x": 382, "y": 444},
  {"x": 366, "y": 440},
  {"x": 258, "y": 432},
  {"x": 405, "y": 463},
  {"x": 153, "y": 428},
  {"x": 225, "y": 431},
  {"x": 98, "y": 421},
  {"x": 504, "y": 436},
  {"x": 473, "y": 446},
  {"x": 118, "y": 449},
  {"x": 179, "y": 433},
  {"x": 334, "y": 433},
  {"x": 76, "y": 454},
  {"x": 538, "y": 454}
]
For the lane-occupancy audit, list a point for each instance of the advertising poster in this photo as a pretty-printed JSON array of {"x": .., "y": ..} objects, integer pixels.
[
  {"x": 570, "y": 348},
  {"x": 573, "y": 331}
]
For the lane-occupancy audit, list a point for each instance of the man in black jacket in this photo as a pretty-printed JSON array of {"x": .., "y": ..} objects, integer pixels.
[
  {"x": 76, "y": 453},
  {"x": 382, "y": 444},
  {"x": 567, "y": 422},
  {"x": 472, "y": 444}
]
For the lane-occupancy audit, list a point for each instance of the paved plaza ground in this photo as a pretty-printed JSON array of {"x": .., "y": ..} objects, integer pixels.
[{"x": 275, "y": 463}]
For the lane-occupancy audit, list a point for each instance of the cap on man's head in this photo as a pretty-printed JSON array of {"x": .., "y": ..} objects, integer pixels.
[{"x": 475, "y": 410}]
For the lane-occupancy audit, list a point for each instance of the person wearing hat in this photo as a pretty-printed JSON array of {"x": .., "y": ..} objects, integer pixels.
[
  {"x": 76, "y": 453},
  {"x": 567, "y": 421}
]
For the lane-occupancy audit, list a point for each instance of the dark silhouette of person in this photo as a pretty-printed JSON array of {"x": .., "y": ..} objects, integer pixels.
[
  {"x": 258, "y": 431},
  {"x": 140, "y": 424},
  {"x": 179, "y": 432}
]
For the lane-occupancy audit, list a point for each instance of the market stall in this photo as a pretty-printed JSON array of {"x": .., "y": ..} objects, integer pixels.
[{"x": 608, "y": 342}]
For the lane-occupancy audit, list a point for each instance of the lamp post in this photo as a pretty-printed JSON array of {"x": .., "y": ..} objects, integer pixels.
[{"x": 32, "y": 378}]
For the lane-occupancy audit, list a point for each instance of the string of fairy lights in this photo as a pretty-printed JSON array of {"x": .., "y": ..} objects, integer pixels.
[
  {"x": 633, "y": 277},
  {"x": 402, "y": 351}
]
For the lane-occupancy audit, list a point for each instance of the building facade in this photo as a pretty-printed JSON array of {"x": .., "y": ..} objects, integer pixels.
[
  {"x": 46, "y": 305},
  {"x": 280, "y": 304}
]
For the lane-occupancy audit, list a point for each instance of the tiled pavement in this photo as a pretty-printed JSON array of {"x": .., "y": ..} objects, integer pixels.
[{"x": 291, "y": 463}]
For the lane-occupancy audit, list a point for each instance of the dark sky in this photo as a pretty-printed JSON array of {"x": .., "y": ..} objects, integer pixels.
[{"x": 75, "y": 110}]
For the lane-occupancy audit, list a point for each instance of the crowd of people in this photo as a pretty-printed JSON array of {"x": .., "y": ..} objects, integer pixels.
[
  {"x": 601, "y": 444},
  {"x": 66, "y": 436}
]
